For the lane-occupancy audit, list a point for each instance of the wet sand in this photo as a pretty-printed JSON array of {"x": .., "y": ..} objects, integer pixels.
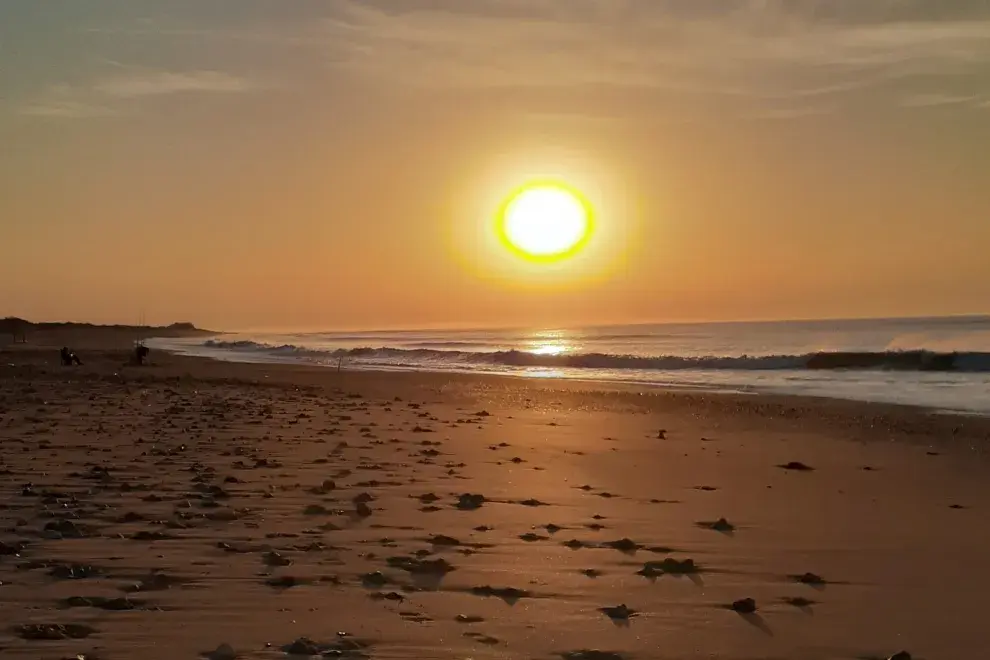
[{"x": 193, "y": 507}]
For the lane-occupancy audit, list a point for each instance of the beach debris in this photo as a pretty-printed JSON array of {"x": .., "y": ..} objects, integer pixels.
[
  {"x": 623, "y": 545},
  {"x": 797, "y": 466},
  {"x": 509, "y": 594},
  {"x": 302, "y": 646},
  {"x": 482, "y": 638},
  {"x": 586, "y": 654},
  {"x": 464, "y": 618},
  {"x": 533, "y": 502},
  {"x": 362, "y": 509},
  {"x": 900, "y": 655},
  {"x": 470, "y": 501},
  {"x": 798, "y": 601},
  {"x": 809, "y": 579},
  {"x": 345, "y": 647},
  {"x": 53, "y": 631},
  {"x": 73, "y": 571},
  {"x": 744, "y": 606},
  {"x": 374, "y": 580},
  {"x": 222, "y": 652},
  {"x": 441, "y": 540},
  {"x": 530, "y": 537},
  {"x": 155, "y": 582},
  {"x": 662, "y": 434},
  {"x": 99, "y": 602},
  {"x": 285, "y": 582},
  {"x": 421, "y": 566},
  {"x": 618, "y": 612},
  {"x": 720, "y": 525},
  {"x": 670, "y": 566},
  {"x": 591, "y": 572},
  {"x": 275, "y": 558},
  {"x": 64, "y": 529},
  {"x": 12, "y": 549}
]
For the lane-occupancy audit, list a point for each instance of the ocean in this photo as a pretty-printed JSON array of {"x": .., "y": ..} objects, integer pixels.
[{"x": 939, "y": 363}]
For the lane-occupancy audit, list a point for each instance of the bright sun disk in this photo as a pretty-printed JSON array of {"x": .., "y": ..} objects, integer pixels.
[{"x": 545, "y": 222}]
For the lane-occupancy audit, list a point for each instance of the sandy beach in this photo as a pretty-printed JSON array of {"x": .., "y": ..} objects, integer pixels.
[{"x": 193, "y": 508}]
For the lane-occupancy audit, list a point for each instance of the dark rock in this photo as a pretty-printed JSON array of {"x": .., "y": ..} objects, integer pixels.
[
  {"x": 53, "y": 631},
  {"x": 618, "y": 612},
  {"x": 744, "y": 606},
  {"x": 470, "y": 501}
]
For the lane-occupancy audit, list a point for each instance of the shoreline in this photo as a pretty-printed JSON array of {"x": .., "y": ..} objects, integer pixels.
[
  {"x": 773, "y": 404},
  {"x": 918, "y": 390},
  {"x": 859, "y": 419}
]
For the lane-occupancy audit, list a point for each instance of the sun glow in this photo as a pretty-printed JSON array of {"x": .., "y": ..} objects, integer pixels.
[{"x": 545, "y": 222}]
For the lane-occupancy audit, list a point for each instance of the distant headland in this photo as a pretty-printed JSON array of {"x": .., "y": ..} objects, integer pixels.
[{"x": 21, "y": 331}]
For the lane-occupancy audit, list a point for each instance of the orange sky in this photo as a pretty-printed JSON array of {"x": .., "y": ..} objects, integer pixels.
[{"x": 331, "y": 164}]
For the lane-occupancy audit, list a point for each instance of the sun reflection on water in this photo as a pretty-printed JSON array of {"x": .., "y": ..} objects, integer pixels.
[{"x": 550, "y": 342}]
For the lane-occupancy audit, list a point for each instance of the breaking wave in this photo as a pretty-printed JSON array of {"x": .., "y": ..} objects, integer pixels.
[{"x": 918, "y": 360}]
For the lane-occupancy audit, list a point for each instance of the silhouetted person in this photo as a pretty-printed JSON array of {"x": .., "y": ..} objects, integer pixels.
[
  {"x": 141, "y": 353},
  {"x": 68, "y": 357}
]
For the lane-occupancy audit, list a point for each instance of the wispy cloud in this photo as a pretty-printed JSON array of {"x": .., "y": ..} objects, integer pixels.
[
  {"x": 103, "y": 96},
  {"x": 937, "y": 100},
  {"x": 64, "y": 109},
  {"x": 793, "y": 57},
  {"x": 164, "y": 82},
  {"x": 760, "y": 47}
]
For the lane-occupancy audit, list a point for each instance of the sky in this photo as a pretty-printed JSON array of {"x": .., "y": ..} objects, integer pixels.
[{"x": 324, "y": 164}]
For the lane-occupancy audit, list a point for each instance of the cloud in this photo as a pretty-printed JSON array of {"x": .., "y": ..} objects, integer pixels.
[
  {"x": 65, "y": 109},
  {"x": 792, "y": 57},
  {"x": 164, "y": 82},
  {"x": 938, "y": 99},
  {"x": 755, "y": 47},
  {"x": 104, "y": 96}
]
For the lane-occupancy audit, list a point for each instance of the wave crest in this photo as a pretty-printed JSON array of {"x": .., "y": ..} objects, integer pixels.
[{"x": 888, "y": 360}]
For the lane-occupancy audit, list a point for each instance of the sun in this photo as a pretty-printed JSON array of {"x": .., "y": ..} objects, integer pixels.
[{"x": 545, "y": 222}]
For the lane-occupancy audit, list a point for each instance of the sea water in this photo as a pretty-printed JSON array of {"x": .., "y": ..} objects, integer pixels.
[{"x": 941, "y": 363}]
